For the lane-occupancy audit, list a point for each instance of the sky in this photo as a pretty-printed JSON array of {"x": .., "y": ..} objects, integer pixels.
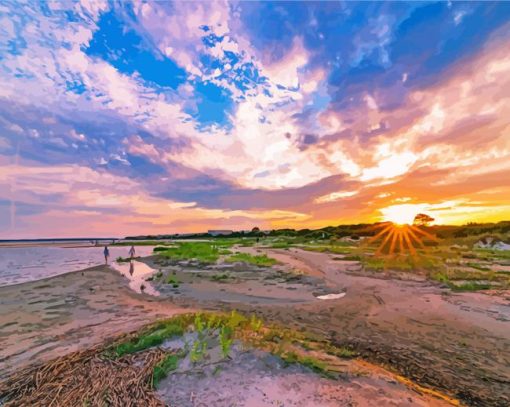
[{"x": 125, "y": 118}]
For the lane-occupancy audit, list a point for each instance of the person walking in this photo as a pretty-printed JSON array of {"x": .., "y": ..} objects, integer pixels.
[
  {"x": 106, "y": 254},
  {"x": 132, "y": 252}
]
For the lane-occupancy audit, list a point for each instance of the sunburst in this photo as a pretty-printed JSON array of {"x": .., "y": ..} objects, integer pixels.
[{"x": 400, "y": 239}]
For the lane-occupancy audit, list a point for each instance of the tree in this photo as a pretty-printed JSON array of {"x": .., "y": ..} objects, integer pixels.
[
  {"x": 422, "y": 219},
  {"x": 255, "y": 230}
]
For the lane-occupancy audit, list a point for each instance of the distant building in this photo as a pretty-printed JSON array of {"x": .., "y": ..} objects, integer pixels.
[{"x": 220, "y": 232}]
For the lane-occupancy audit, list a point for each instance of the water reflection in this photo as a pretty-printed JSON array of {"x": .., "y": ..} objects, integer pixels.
[
  {"x": 137, "y": 273},
  {"x": 27, "y": 263}
]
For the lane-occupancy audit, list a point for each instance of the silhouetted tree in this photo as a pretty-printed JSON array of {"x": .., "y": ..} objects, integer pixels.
[{"x": 422, "y": 219}]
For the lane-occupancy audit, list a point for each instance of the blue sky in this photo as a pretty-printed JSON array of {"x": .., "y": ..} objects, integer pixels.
[{"x": 176, "y": 116}]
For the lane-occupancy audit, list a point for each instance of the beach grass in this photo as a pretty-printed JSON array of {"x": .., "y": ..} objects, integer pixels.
[
  {"x": 256, "y": 260},
  {"x": 200, "y": 251},
  {"x": 153, "y": 336},
  {"x": 167, "y": 365}
]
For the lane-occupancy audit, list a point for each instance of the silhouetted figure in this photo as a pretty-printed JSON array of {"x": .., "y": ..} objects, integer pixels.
[
  {"x": 132, "y": 252},
  {"x": 106, "y": 254}
]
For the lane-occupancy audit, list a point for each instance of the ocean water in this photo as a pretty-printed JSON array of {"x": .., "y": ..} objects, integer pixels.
[{"x": 22, "y": 264}]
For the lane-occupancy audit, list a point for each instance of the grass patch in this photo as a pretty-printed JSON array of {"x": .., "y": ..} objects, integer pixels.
[
  {"x": 281, "y": 245},
  {"x": 159, "y": 249},
  {"x": 163, "y": 368},
  {"x": 493, "y": 254},
  {"x": 200, "y": 251},
  {"x": 477, "y": 266},
  {"x": 171, "y": 279},
  {"x": 312, "y": 363},
  {"x": 258, "y": 260},
  {"x": 352, "y": 257},
  {"x": 470, "y": 286},
  {"x": 220, "y": 277},
  {"x": 419, "y": 262},
  {"x": 291, "y": 346},
  {"x": 153, "y": 337},
  {"x": 140, "y": 243},
  {"x": 329, "y": 249}
]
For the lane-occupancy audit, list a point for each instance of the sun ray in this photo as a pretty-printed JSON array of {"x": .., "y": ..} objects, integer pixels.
[
  {"x": 408, "y": 241},
  {"x": 400, "y": 239},
  {"x": 382, "y": 232},
  {"x": 416, "y": 229},
  {"x": 384, "y": 242},
  {"x": 413, "y": 236},
  {"x": 393, "y": 242}
]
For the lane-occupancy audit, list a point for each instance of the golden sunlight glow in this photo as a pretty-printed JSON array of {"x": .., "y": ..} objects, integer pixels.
[
  {"x": 401, "y": 214},
  {"x": 400, "y": 239}
]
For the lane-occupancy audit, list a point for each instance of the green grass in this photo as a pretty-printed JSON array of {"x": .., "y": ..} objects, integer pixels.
[
  {"x": 159, "y": 249},
  {"x": 163, "y": 368},
  {"x": 281, "y": 245},
  {"x": 277, "y": 340},
  {"x": 141, "y": 243},
  {"x": 171, "y": 279},
  {"x": 352, "y": 257},
  {"x": 329, "y": 249},
  {"x": 200, "y": 251},
  {"x": 151, "y": 338},
  {"x": 340, "y": 352},
  {"x": 310, "y": 362},
  {"x": 493, "y": 254},
  {"x": 259, "y": 260},
  {"x": 470, "y": 286},
  {"x": 478, "y": 266},
  {"x": 220, "y": 277},
  {"x": 420, "y": 262}
]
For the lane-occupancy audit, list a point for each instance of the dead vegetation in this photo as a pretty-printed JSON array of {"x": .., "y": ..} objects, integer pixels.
[{"x": 87, "y": 378}]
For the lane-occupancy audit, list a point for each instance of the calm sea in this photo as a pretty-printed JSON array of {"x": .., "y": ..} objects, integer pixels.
[{"x": 22, "y": 264}]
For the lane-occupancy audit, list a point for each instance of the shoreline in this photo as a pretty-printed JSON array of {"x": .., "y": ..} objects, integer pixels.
[{"x": 42, "y": 319}]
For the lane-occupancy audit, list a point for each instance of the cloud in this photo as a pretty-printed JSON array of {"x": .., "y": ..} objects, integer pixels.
[{"x": 251, "y": 112}]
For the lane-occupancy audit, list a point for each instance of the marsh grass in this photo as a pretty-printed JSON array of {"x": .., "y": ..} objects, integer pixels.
[
  {"x": 163, "y": 368},
  {"x": 257, "y": 260},
  {"x": 470, "y": 286},
  {"x": 281, "y": 245},
  {"x": 478, "y": 266},
  {"x": 334, "y": 249},
  {"x": 128, "y": 371},
  {"x": 149, "y": 340},
  {"x": 171, "y": 279},
  {"x": 220, "y": 278},
  {"x": 200, "y": 251},
  {"x": 141, "y": 243},
  {"x": 314, "y": 364}
]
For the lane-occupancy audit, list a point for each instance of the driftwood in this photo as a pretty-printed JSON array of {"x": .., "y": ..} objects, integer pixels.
[{"x": 86, "y": 378}]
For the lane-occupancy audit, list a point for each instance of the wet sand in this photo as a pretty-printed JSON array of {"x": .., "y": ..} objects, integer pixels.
[
  {"x": 252, "y": 377},
  {"x": 47, "y": 318},
  {"x": 459, "y": 343}
]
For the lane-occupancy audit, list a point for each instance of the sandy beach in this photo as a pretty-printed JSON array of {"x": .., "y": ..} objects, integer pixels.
[
  {"x": 48, "y": 318},
  {"x": 456, "y": 344}
]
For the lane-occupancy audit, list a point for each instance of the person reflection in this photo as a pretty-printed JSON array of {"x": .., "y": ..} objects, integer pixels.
[{"x": 131, "y": 267}]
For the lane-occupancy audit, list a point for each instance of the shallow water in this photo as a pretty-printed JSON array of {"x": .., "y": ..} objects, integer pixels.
[
  {"x": 137, "y": 272},
  {"x": 22, "y": 264}
]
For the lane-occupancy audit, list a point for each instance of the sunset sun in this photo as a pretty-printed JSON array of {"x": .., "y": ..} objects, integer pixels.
[{"x": 400, "y": 214}]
